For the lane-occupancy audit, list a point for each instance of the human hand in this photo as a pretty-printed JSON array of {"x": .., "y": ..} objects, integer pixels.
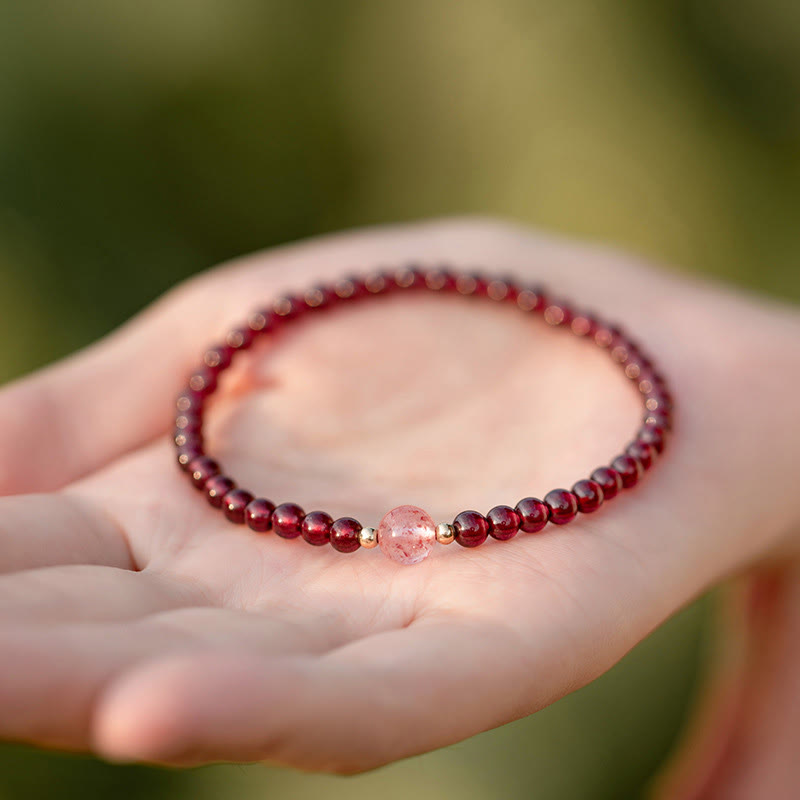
[{"x": 135, "y": 621}]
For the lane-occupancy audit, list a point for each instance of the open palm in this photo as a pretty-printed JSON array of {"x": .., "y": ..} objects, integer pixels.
[{"x": 136, "y": 621}]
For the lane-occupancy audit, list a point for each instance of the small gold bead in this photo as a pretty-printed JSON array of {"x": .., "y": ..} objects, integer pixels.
[
  {"x": 445, "y": 533},
  {"x": 368, "y": 537}
]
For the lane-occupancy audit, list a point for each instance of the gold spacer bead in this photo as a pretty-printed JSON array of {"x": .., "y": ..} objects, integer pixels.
[
  {"x": 445, "y": 533},
  {"x": 368, "y": 537}
]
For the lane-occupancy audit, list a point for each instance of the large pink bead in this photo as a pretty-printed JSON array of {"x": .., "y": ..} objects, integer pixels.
[{"x": 406, "y": 535}]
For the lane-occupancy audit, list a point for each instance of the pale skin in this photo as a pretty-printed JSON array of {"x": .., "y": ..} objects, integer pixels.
[{"x": 136, "y": 622}]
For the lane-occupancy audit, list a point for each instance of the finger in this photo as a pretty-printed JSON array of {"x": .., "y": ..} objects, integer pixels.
[
  {"x": 411, "y": 693},
  {"x": 51, "y": 675},
  {"x": 88, "y": 593},
  {"x": 40, "y": 530},
  {"x": 502, "y": 645},
  {"x": 744, "y": 735}
]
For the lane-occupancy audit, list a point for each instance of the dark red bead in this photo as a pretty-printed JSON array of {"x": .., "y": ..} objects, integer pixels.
[
  {"x": 440, "y": 280},
  {"x": 344, "y": 535},
  {"x": 265, "y": 320},
  {"x": 378, "y": 283},
  {"x": 583, "y": 324},
  {"x": 629, "y": 469},
  {"x": 287, "y": 519},
  {"x": 471, "y": 528},
  {"x": 533, "y": 514},
  {"x": 217, "y": 487},
  {"x": 258, "y": 515},
  {"x": 557, "y": 313},
  {"x": 319, "y": 297},
  {"x": 589, "y": 495},
  {"x": 187, "y": 454},
  {"x": 201, "y": 469},
  {"x": 351, "y": 288},
  {"x": 203, "y": 382},
  {"x": 316, "y": 528},
  {"x": 235, "y": 503},
  {"x": 189, "y": 402},
  {"x": 503, "y": 523},
  {"x": 408, "y": 278},
  {"x": 642, "y": 452},
  {"x": 184, "y": 439},
  {"x": 610, "y": 481},
  {"x": 239, "y": 338},
  {"x": 659, "y": 419},
  {"x": 188, "y": 423},
  {"x": 218, "y": 358},
  {"x": 563, "y": 506},
  {"x": 652, "y": 435},
  {"x": 289, "y": 307}
]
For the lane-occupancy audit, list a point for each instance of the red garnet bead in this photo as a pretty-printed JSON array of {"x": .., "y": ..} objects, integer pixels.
[
  {"x": 471, "y": 528},
  {"x": 235, "y": 503},
  {"x": 217, "y": 487},
  {"x": 652, "y": 435},
  {"x": 503, "y": 523},
  {"x": 188, "y": 453},
  {"x": 629, "y": 469},
  {"x": 589, "y": 494},
  {"x": 610, "y": 481},
  {"x": 201, "y": 469},
  {"x": 563, "y": 506},
  {"x": 642, "y": 452},
  {"x": 533, "y": 514},
  {"x": 287, "y": 519},
  {"x": 316, "y": 528},
  {"x": 258, "y": 515},
  {"x": 344, "y": 535}
]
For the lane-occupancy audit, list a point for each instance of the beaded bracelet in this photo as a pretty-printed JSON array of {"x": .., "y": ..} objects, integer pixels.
[{"x": 407, "y": 534}]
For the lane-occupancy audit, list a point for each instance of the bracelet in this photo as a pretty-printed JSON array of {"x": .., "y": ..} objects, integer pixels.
[{"x": 407, "y": 534}]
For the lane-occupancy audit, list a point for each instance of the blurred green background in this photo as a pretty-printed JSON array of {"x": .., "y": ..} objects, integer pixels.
[{"x": 143, "y": 141}]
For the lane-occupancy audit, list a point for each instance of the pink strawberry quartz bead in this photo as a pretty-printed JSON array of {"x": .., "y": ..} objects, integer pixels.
[{"x": 406, "y": 535}]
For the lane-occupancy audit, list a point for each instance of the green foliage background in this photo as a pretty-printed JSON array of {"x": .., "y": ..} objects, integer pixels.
[{"x": 143, "y": 141}]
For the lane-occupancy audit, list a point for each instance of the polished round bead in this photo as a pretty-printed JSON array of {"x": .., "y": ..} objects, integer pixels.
[
  {"x": 503, "y": 523},
  {"x": 316, "y": 528},
  {"x": 445, "y": 533},
  {"x": 659, "y": 419},
  {"x": 217, "y": 487},
  {"x": 533, "y": 514},
  {"x": 189, "y": 402},
  {"x": 368, "y": 537},
  {"x": 287, "y": 519},
  {"x": 589, "y": 495},
  {"x": 629, "y": 469},
  {"x": 188, "y": 423},
  {"x": 439, "y": 280},
  {"x": 652, "y": 435},
  {"x": 234, "y": 504},
  {"x": 406, "y": 535},
  {"x": 218, "y": 358},
  {"x": 563, "y": 506},
  {"x": 344, "y": 535},
  {"x": 203, "y": 382},
  {"x": 642, "y": 452},
  {"x": 201, "y": 469},
  {"x": 188, "y": 453},
  {"x": 471, "y": 528},
  {"x": 258, "y": 515},
  {"x": 239, "y": 338},
  {"x": 610, "y": 481},
  {"x": 557, "y": 314}
]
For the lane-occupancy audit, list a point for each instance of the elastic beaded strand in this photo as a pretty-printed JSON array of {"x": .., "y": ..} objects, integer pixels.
[{"x": 414, "y": 531}]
